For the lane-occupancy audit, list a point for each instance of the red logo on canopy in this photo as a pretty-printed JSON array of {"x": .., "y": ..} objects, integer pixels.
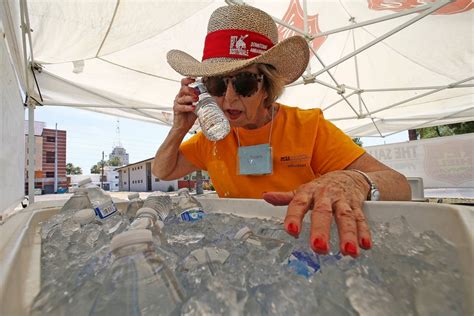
[
  {"x": 294, "y": 17},
  {"x": 400, "y": 5}
]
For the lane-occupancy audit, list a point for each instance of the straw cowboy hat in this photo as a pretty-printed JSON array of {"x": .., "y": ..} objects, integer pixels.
[{"x": 239, "y": 36}]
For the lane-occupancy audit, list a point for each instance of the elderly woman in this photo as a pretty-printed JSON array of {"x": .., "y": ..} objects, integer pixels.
[{"x": 305, "y": 161}]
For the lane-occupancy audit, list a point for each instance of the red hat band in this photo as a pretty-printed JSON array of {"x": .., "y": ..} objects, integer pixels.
[{"x": 235, "y": 44}]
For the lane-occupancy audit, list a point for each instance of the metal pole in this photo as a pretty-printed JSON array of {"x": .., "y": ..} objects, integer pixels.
[
  {"x": 102, "y": 175},
  {"x": 31, "y": 153},
  {"x": 56, "y": 159}
]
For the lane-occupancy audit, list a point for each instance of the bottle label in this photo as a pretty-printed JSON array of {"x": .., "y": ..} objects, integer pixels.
[
  {"x": 307, "y": 264},
  {"x": 192, "y": 214},
  {"x": 105, "y": 210}
]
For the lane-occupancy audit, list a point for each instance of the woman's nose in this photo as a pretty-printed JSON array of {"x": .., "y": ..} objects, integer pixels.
[{"x": 230, "y": 93}]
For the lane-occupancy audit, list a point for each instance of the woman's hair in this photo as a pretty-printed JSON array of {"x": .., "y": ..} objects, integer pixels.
[{"x": 273, "y": 83}]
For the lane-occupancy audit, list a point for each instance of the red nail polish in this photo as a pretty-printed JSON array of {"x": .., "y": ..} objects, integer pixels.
[
  {"x": 320, "y": 245},
  {"x": 366, "y": 243},
  {"x": 293, "y": 229},
  {"x": 350, "y": 248}
]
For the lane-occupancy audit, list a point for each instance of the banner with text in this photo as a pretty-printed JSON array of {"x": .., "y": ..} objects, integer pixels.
[{"x": 443, "y": 162}]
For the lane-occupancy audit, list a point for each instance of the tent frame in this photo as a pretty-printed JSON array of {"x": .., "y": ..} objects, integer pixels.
[{"x": 308, "y": 78}]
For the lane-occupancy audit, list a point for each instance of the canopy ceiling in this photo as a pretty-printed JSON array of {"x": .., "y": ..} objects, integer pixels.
[{"x": 413, "y": 67}]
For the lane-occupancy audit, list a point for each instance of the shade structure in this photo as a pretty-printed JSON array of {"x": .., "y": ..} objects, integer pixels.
[{"x": 377, "y": 67}]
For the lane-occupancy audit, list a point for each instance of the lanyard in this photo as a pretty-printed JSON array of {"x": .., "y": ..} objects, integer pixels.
[
  {"x": 257, "y": 159},
  {"x": 271, "y": 128}
]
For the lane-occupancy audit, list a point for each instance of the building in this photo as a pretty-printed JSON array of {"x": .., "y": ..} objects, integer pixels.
[
  {"x": 121, "y": 153},
  {"x": 45, "y": 144},
  {"x": 110, "y": 181},
  {"x": 137, "y": 177}
]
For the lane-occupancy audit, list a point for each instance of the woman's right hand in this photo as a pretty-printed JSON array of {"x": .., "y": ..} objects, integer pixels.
[{"x": 183, "y": 107}]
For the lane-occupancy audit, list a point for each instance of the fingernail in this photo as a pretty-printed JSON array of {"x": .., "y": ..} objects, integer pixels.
[
  {"x": 366, "y": 243},
  {"x": 350, "y": 248},
  {"x": 293, "y": 229},
  {"x": 320, "y": 244}
]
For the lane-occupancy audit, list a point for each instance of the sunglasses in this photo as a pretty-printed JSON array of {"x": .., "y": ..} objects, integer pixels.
[{"x": 244, "y": 83}]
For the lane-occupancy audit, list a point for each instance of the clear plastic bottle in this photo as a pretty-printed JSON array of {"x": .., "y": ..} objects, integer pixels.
[
  {"x": 188, "y": 208},
  {"x": 279, "y": 248},
  {"x": 160, "y": 202},
  {"x": 133, "y": 206},
  {"x": 139, "y": 282},
  {"x": 101, "y": 201},
  {"x": 113, "y": 224},
  {"x": 148, "y": 218},
  {"x": 78, "y": 201},
  {"x": 214, "y": 124}
]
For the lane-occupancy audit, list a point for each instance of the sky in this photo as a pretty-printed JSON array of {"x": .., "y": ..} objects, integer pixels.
[{"x": 90, "y": 133}]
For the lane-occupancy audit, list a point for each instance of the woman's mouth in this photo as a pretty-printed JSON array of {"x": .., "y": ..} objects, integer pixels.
[{"x": 233, "y": 114}]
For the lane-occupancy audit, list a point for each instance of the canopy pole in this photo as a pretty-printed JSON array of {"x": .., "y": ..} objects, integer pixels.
[
  {"x": 438, "y": 118},
  {"x": 31, "y": 153},
  {"x": 305, "y": 29},
  {"x": 422, "y": 95}
]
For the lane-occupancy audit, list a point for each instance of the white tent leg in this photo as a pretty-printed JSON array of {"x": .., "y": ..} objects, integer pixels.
[{"x": 31, "y": 153}]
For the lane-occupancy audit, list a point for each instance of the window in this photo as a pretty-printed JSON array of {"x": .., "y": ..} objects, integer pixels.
[
  {"x": 125, "y": 171},
  {"x": 116, "y": 177},
  {"x": 116, "y": 184},
  {"x": 125, "y": 182},
  {"x": 50, "y": 139},
  {"x": 50, "y": 156},
  {"x": 157, "y": 180},
  {"x": 50, "y": 174}
]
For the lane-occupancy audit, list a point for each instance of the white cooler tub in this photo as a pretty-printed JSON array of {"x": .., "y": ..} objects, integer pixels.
[{"x": 20, "y": 243}]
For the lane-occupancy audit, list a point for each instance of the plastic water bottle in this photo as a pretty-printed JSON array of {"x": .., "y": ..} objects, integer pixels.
[
  {"x": 188, "y": 209},
  {"x": 306, "y": 262},
  {"x": 148, "y": 218},
  {"x": 78, "y": 201},
  {"x": 280, "y": 248},
  {"x": 111, "y": 225},
  {"x": 160, "y": 202},
  {"x": 138, "y": 282},
  {"x": 101, "y": 201},
  {"x": 133, "y": 206},
  {"x": 214, "y": 124}
]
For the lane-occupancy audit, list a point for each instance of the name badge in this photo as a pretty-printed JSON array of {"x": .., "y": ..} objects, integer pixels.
[{"x": 255, "y": 160}]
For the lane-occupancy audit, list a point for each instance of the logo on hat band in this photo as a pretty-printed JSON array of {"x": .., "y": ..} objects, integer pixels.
[{"x": 235, "y": 44}]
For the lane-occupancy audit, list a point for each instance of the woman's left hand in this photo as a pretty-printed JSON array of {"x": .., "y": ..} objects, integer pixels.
[{"x": 341, "y": 193}]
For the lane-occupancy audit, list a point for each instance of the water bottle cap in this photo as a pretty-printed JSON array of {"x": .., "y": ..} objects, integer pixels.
[
  {"x": 148, "y": 211},
  {"x": 131, "y": 237},
  {"x": 84, "y": 181},
  {"x": 134, "y": 195},
  {"x": 84, "y": 216},
  {"x": 241, "y": 233}
]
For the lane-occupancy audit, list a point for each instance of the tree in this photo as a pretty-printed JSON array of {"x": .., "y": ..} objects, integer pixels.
[
  {"x": 446, "y": 130},
  {"x": 357, "y": 141},
  {"x": 70, "y": 169},
  {"x": 114, "y": 161},
  {"x": 97, "y": 168}
]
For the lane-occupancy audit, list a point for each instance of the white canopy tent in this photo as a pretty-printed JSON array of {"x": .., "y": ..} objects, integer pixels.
[{"x": 378, "y": 66}]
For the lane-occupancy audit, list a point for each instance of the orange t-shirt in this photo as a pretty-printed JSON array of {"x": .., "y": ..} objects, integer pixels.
[{"x": 304, "y": 146}]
